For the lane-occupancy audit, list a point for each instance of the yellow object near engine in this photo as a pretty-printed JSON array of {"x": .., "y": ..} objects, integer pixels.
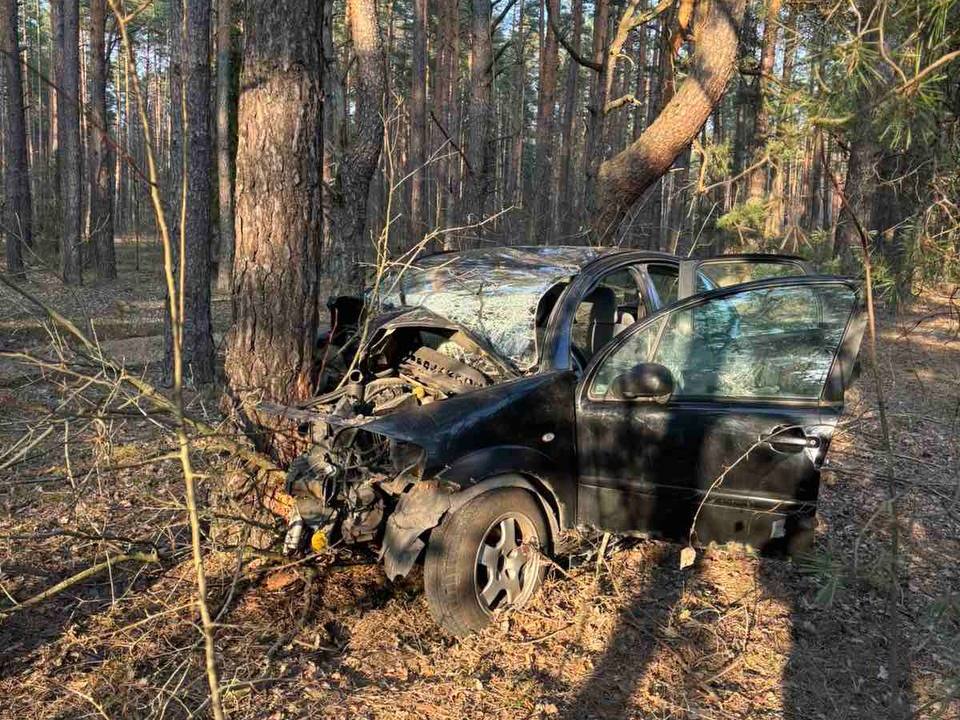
[
  {"x": 419, "y": 392},
  {"x": 318, "y": 541}
]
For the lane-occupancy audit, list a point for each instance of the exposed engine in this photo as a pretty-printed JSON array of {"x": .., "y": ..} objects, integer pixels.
[{"x": 350, "y": 478}]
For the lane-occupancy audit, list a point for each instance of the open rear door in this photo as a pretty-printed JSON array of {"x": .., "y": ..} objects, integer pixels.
[{"x": 697, "y": 276}]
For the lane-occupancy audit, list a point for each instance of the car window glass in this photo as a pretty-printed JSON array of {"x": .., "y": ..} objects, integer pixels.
[
  {"x": 666, "y": 281},
  {"x": 764, "y": 343},
  {"x": 635, "y": 351},
  {"x": 735, "y": 272}
]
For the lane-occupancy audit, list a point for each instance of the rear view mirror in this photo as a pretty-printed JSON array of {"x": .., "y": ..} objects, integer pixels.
[{"x": 646, "y": 381}]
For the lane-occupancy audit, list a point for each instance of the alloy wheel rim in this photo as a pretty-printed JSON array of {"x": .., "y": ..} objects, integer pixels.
[{"x": 507, "y": 563}]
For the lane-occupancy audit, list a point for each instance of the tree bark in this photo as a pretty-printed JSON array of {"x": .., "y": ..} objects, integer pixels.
[
  {"x": 623, "y": 179},
  {"x": 859, "y": 188},
  {"x": 345, "y": 242},
  {"x": 479, "y": 148},
  {"x": 593, "y": 152},
  {"x": 193, "y": 256},
  {"x": 541, "y": 225},
  {"x": 56, "y": 62},
  {"x": 17, "y": 224},
  {"x": 570, "y": 105},
  {"x": 175, "y": 83},
  {"x": 761, "y": 125},
  {"x": 68, "y": 125},
  {"x": 101, "y": 153},
  {"x": 418, "y": 121},
  {"x": 278, "y": 205},
  {"x": 515, "y": 114},
  {"x": 224, "y": 159},
  {"x": 446, "y": 118}
]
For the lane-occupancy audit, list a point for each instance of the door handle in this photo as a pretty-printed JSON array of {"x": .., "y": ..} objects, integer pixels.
[{"x": 793, "y": 438}]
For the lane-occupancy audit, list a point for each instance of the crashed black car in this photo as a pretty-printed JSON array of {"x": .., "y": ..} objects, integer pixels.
[{"x": 501, "y": 396}]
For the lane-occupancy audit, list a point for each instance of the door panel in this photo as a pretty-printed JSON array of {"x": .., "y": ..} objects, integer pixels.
[{"x": 746, "y": 428}]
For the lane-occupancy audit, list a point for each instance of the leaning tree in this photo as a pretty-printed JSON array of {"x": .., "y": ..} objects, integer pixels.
[{"x": 623, "y": 179}]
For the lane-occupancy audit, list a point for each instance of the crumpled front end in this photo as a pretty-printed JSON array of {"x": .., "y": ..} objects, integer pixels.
[{"x": 353, "y": 478}]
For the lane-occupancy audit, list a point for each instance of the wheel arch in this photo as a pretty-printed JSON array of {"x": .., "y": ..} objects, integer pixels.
[{"x": 425, "y": 504}]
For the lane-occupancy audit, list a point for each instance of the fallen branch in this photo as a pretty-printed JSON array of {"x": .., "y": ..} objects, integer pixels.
[{"x": 79, "y": 577}]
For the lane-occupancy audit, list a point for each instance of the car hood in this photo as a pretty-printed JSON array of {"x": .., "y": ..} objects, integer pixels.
[{"x": 516, "y": 412}]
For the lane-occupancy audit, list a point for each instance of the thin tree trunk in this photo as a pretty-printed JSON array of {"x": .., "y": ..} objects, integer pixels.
[
  {"x": 56, "y": 62},
  {"x": 641, "y": 88},
  {"x": 570, "y": 112},
  {"x": 513, "y": 168},
  {"x": 345, "y": 241},
  {"x": 193, "y": 273},
  {"x": 623, "y": 179},
  {"x": 761, "y": 126},
  {"x": 101, "y": 160},
  {"x": 418, "y": 120},
  {"x": 334, "y": 113},
  {"x": 278, "y": 205},
  {"x": 224, "y": 160},
  {"x": 175, "y": 82},
  {"x": 16, "y": 222},
  {"x": 593, "y": 151},
  {"x": 448, "y": 74},
  {"x": 479, "y": 111},
  {"x": 858, "y": 189},
  {"x": 541, "y": 225},
  {"x": 71, "y": 179}
]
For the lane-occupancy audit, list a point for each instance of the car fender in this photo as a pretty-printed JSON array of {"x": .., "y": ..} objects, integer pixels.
[{"x": 424, "y": 505}]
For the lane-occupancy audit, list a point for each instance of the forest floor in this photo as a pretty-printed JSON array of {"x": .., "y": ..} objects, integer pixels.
[{"x": 734, "y": 636}]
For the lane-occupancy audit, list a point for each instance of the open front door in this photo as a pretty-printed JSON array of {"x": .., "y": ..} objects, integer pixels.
[{"x": 719, "y": 410}]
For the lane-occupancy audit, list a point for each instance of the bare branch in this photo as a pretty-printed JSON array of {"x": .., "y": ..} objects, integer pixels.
[{"x": 577, "y": 57}]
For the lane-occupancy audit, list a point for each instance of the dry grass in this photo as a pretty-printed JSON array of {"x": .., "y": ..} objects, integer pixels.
[{"x": 733, "y": 637}]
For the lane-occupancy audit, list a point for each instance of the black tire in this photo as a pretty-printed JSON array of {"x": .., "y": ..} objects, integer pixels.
[{"x": 456, "y": 578}]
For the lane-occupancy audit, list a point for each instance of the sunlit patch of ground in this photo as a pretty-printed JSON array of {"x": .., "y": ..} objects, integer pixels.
[{"x": 734, "y": 636}]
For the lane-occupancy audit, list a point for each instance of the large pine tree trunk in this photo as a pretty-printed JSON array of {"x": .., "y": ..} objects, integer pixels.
[
  {"x": 17, "y": 224},
  {"x": 346, "y": 246},
  {"x": 278, "y": 204},
  {"x": 100, "y": 151},
  {"x": 224, "y": 160},
  {"x": 193, "y": 255},
  {"x": 623, "y": 179},
  {"x": 68, "y": 124}
]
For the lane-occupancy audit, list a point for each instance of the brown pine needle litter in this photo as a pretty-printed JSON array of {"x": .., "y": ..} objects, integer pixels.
[{"x": 633, "y": 636}]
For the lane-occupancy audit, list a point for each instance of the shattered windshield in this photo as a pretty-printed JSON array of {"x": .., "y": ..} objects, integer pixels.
[{"x": 494, "y": 293}]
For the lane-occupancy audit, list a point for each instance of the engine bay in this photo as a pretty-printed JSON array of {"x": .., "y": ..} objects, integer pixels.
[{"x": 350, "y": 478}]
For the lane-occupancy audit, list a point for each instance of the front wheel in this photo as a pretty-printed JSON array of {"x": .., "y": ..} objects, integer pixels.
[{"x": 484, "y": 557}]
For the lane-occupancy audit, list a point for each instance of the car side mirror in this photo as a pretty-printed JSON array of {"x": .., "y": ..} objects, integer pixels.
[{"x": 646, "y": 381}]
